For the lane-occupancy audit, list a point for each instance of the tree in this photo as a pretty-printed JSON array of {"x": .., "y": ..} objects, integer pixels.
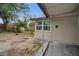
[
  {"x": 32, "y": 27},
  {"x": 9, "y": 11},
  {"x": 21, "y": 25},
  {"x": 26, "y": 23}
]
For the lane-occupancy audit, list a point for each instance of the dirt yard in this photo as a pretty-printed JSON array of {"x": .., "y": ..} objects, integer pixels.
[{"x": 15, "y": 44}]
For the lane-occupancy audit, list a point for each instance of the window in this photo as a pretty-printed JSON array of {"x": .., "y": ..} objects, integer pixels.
[
  {"x": 43, "y": 25},
  {"x": 39, "y": 26},
  {"x": 46, "y": 25},
  {"x": 39, "y": 23}
]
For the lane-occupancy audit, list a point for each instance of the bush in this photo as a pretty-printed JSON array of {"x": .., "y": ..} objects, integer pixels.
[{"x": 21, "y": 25}]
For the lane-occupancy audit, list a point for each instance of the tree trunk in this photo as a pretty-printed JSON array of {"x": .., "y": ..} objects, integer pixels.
[{"x": 5, "y": 26}]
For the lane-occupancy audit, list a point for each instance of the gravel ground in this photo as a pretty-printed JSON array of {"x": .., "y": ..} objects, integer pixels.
[{"x": 18, "y": 44}]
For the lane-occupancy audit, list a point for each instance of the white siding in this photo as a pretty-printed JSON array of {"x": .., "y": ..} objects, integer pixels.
[{"x": 66, "y": 33}]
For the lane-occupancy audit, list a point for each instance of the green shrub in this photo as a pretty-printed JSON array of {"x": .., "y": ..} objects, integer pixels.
[{"x": 21, "y": 25}]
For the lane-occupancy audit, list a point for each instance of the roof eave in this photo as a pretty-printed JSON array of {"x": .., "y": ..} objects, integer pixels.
[{"x": 42, "y": 7}]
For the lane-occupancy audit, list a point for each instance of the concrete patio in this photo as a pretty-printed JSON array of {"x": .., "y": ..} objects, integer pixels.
[{"x": 55, "y": 49}]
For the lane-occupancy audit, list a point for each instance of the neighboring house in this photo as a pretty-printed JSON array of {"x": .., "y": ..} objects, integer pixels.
[
  {"x": 9, "y": 26},
  {"x": 60, "y": 25},
  {"x": 1, "y": 27}
]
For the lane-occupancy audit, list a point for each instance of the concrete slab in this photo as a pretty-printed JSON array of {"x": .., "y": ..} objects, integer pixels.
[{"x": 62, "y": 50}]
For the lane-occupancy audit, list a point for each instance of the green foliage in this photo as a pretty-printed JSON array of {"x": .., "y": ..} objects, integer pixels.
[
  {"x": 20, "y": 23},
  {"x": 32, "y": 24},
  {"x": 31, "y": 28},
  {"x": 8, "y": 11}
]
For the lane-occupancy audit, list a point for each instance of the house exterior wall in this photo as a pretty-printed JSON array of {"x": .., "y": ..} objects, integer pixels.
[
  {"x": 9, "y": 26},
  {"x": 67, "y": 31},
  {"x": 43, "y": 34},
  {"x": 78, "y": 31}
]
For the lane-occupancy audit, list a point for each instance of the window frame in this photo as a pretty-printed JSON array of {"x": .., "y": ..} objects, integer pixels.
[
  {"x": 47, "y": 25},
  {"x": 37, "y": 25},
  {"x": 43, "y": 26}
]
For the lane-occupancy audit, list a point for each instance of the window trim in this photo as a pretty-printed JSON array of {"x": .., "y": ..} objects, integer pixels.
[
  {"x": 43, "y": 26},
  {"x": 38, "y": 25}
]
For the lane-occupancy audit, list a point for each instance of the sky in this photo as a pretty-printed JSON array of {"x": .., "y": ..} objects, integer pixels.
[{"x": 35, "y": 11}]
